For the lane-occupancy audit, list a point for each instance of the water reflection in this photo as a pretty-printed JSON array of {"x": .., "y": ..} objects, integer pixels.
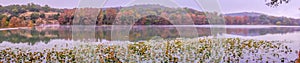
[{"x": 137, "y": 33}]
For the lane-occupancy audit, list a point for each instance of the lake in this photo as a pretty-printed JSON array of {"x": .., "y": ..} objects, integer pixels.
[{"x": 42, "y": 38}]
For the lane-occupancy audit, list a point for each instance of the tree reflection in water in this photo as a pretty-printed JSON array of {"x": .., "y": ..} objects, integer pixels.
[{"x": 137, "y": 33}]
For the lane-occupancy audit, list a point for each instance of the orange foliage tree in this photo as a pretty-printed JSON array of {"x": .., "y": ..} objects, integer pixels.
[{"x": 3, "y": 22}]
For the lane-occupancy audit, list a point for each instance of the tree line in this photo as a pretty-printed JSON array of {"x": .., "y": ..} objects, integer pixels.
[
  {"x": 32, "y": 14},
  {"x": 162, "y": 16}
]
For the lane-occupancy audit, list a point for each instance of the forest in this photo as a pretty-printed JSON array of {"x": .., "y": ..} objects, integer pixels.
[{"x": 34, "y": 15}]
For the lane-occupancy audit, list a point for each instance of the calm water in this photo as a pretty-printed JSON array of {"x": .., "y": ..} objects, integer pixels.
[
  {"x": 49, "y": 34},
  {"x": 38, "y": 38}
]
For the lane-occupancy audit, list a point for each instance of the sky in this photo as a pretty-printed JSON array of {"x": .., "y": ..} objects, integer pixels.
[{"x": 290, "y": 9}]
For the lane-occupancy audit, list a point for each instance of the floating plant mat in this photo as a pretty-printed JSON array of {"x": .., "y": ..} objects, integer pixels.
[{"x": 180, "y": 50}]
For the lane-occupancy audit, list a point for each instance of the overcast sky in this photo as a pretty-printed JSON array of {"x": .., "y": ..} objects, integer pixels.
[{"x": 227, "y": 6}]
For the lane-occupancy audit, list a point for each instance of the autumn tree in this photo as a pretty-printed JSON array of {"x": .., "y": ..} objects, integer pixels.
[
  {"x": 30, "y": 23},
  {"x": 229, "y": 20},
  {"x": 13, "y": 21},
  {"x": 3, "y": 22},
  {"x": 202, "y": 19},
  {"x": 239, "y": 20},
  {"x": 66, "y": 17},
  {"x": 246, "y": 20},
  {"x": 100, "y": 18},
  {"x": 110, "y": 15},
  {"x": 39, "y": 21},
  {"x": 278, "y": 23},
  {"x": 62, "y": 20}
]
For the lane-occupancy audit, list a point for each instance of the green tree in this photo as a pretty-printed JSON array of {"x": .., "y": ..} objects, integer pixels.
[
  {"x": 56, "y": 16},
  {"x": 33, "y": 7},
  {"x": 264, "y": 19},
  {"x": 34, "y": 16},
  {"x": 2, "y": 16},
  {"x": 46, "y": 8},
  {"x": 42, "y": 15}
]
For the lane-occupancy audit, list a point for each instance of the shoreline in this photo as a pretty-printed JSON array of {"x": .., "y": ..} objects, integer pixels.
[
  {"x": 205, "y": 26},
  {"x": 16, "y": 28}
]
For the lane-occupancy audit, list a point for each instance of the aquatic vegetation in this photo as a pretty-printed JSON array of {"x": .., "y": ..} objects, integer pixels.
[{"x": 179, "y": 50}]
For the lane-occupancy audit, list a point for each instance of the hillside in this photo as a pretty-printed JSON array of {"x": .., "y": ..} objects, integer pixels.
[{"x": 32, "y": 14}]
